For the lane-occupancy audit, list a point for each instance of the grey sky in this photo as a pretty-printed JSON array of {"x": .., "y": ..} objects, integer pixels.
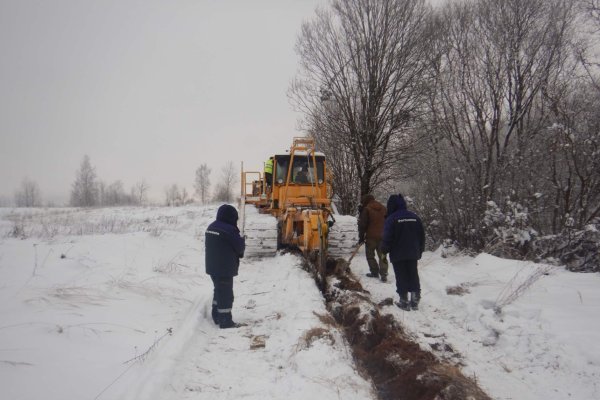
[{"x": 148, "y": 89}]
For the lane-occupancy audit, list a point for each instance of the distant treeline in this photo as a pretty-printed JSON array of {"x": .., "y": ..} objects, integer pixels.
[{"x": 89, "y": 191}]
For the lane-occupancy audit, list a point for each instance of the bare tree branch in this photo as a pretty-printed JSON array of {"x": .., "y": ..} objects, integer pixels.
[{"x": 368, "y": 59}]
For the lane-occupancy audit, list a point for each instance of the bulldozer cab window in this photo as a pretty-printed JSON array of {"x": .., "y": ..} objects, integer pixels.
[
  {"x": 302, "y": 170},
  {"x": 281, "y": 168}
]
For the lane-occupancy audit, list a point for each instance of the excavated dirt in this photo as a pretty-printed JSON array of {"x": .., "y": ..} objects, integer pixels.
[{"x": 398, "y": 367}]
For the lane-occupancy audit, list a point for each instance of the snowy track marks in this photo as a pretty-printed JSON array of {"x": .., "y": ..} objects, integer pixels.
[{"x": 269, "y": 358}]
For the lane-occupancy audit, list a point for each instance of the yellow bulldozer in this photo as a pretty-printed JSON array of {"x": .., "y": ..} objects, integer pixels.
[{"x": 298, "y": 195}]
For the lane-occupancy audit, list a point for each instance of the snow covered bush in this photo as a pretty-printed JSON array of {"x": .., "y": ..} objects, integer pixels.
[
  {"x": 579, "y": 250},
  {"x": 18, "y": 230},
  {"x": 508, "y": 231}
]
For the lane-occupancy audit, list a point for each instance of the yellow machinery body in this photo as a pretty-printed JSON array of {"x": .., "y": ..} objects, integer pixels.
[{"x": 298, "y": 195}]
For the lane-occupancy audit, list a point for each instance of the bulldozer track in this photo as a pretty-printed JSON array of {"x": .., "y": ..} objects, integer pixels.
[
  {"x": 261, "y": 233},
  {"x": 343, "y": 236}
]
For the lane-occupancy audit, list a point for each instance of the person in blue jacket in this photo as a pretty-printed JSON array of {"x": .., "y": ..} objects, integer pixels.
[
  {"x": 224, "y": 248},
  {"x": 404, "y": 240}
]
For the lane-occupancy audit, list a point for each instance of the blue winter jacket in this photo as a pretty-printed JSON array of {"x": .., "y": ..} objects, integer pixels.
[
  {"x": 403, "y": 233},
  {"x": 224, "y": 245}
]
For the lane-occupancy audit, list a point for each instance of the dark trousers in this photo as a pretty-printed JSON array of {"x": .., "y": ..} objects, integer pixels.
[
  {"x": 407, "y": 277},
  {"x": 222, "y": 297},
  {"x": 373, "y": 246}
]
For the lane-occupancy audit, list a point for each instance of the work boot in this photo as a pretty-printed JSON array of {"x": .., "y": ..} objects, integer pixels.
[
  {"x": 373, "y": 275},
  {"x": 403, "y": 303},
  {"x": 383, "y": 278},
  {"x": 415, "y": 297},
  {"x": 226, "y": 321},
  {"x": 230, "y": 325}
]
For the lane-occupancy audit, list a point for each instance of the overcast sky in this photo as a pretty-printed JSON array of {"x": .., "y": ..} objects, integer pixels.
[{"x": 148, "y": 89}]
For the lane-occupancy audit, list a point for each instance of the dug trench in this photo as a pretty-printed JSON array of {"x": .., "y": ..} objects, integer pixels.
[{"x": 398, "y": 367}]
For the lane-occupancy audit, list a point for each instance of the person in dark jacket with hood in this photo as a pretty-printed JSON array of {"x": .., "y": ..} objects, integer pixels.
[
  {"x": 224, "y": 248},
  {"x": 370, "y": 231},
  {"x": 404, "y": 240}
]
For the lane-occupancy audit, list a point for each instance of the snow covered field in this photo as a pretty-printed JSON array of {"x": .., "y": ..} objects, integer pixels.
[
  {"x": 114, "y": 304},
  {"x": 87, "y": 301}
]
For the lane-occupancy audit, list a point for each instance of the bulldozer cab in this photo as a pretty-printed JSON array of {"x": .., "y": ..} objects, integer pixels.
[{"x": 299, "y": 177}]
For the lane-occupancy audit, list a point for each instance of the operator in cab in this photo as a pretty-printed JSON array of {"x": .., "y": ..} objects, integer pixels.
[{"x": 302, "y": 175}]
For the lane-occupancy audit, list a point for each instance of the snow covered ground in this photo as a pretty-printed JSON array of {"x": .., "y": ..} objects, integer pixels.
[
  {"x": 88, "y": 299},
  {"x": 522, "y": 330},
  {"x": 114, "y": 304}
]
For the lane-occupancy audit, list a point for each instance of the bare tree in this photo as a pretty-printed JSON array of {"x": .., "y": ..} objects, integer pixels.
[
  {"x": 489, "y": 106},
  {"x": 369, "y": 59},
  {"x": 28, "y": 194},
  {"x": 225, "y": 188},
  {"x": 115, "y": 195},
  {"x": 587, "y": 49},
  {"x": 5, "y": 201},
  {"x": 172, "y": 196},
  {"x": 571, "y": 166},
  {"x": 84, "y": 191},
  {"x": 344, "y": 179},
  {"x": 185, "y": 197},
  {"x": 202, "y": 183},
  {"x": 101, "y": 190},
  {"x": 592, "y": 7},
  {"x": 139, "y": 192}
]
